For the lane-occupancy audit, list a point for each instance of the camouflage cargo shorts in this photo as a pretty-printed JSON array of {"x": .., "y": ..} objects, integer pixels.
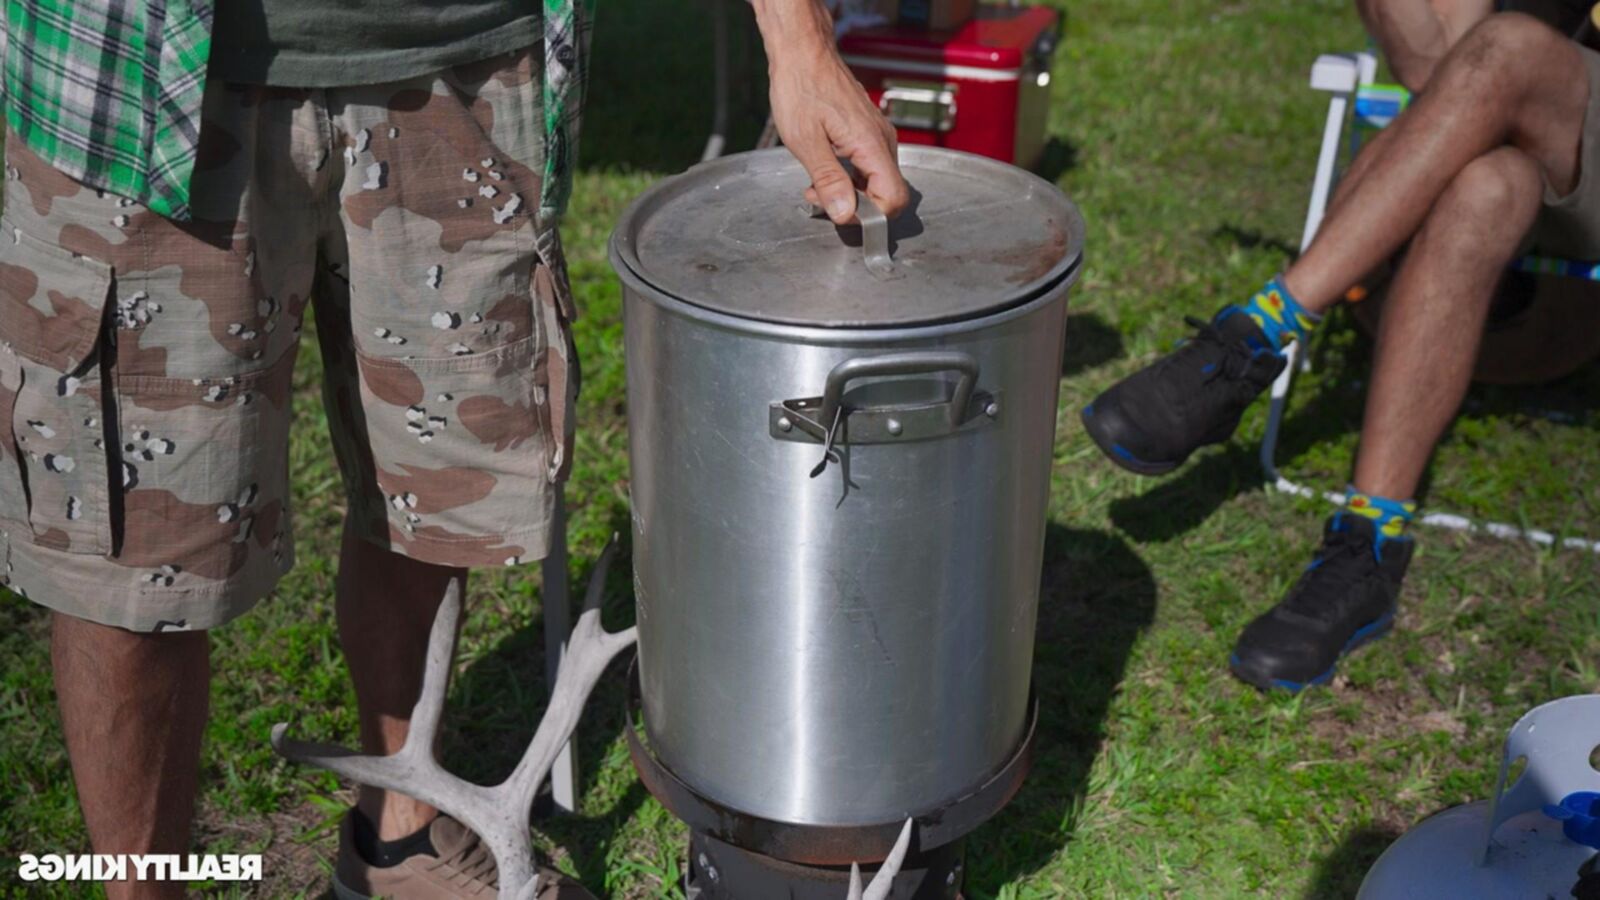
[{"x": 146, "y": 365}]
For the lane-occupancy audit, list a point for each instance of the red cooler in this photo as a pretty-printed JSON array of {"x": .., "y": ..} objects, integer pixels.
[{"x": 983, "y": 88}]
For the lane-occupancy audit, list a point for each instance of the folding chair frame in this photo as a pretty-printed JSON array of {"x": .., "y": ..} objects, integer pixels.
[{"x": 1342, "y": 76}]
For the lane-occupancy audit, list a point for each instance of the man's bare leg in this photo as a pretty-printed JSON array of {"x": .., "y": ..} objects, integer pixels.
[
  {"x": 1512, "y": 81},
  {"x": 133, "y": 708},
  {"x": 386, "y": 604},
  {"x": 1434, "y": 313},
  {"x": 1356, "y": 171}
]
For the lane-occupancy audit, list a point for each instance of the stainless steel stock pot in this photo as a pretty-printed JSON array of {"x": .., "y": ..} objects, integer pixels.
[{"x": 841, "y": 444}]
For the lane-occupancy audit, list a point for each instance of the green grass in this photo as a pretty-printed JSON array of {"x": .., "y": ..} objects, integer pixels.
[{"x": 1188, "y": 137}]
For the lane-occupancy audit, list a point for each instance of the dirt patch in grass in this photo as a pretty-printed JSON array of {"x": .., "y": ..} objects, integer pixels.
[
  {"x": 296, "y": 859},
  {"x": 1387, "y": 707}
]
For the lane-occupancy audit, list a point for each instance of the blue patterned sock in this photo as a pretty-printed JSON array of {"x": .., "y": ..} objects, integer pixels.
[
  {"x": 1390, "y": 517},
  {"x": 1279, "y": 315}
]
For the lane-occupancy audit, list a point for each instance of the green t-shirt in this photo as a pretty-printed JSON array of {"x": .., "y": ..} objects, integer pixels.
[{"x": 329, "y": 43}]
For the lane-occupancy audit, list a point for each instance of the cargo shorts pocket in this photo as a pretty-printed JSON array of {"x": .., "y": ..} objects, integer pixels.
[
  {"x": 203, "y": 472},
  {"x": 460, "y": 446},
  {"x": 13, "y": 499},
  {"x": 52, "y": 305},
  {"x": 558, "y": 373}
]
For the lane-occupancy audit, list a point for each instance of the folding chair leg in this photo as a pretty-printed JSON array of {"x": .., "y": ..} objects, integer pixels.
[
  {"x": 1340, "y": 76},
  {"x": 1337, "y": 74},
  {"x": 1269, "y": 441},
  {"x": 1279, "y": 398},
  {"x": 1507, "y": 532}
]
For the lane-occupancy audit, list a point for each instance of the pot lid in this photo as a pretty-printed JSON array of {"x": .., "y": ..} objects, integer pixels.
[{"x": 731, "y": 235}]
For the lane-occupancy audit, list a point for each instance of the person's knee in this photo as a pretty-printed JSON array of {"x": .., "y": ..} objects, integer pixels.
[
  {"x": 1484, "y": 215},
  {"x": 1496, "y": 183},
  {"x": 1494, "y": 186},
  {"x": 1501, "y": 46}
]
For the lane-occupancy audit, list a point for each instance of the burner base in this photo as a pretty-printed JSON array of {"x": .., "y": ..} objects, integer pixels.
[{"x": 721, "y": 871}]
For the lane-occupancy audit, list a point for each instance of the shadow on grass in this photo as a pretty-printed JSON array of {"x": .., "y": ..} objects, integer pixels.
[
  {"x": 1181, "y": 502},
  {"x": 1060, "y": 156},
  {"x": 1090, "y": 343},
  {"x": 1339, "y": 874},
  {"x": 1176, "y": 506},
  {"x": 1097, "y": 597}
]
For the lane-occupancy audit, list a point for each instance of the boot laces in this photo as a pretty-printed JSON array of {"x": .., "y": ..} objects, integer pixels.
[
  {"x": 1229, "y": 358},
  {"x": 471, "y": 862},
  {"x": 1212, "y": 356},
  {"x": 1345, "y": 561}
]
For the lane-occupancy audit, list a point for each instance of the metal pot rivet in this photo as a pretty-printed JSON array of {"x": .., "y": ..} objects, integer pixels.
[
  {"x": 784, "y": 424},
  {"x": 992, "y": 410},
  {"x": 895, "y": 427},
  {"x": 703, "y": 861},
  {"x": 950, "y": 879},
  {"x": 712, "y": 873}
]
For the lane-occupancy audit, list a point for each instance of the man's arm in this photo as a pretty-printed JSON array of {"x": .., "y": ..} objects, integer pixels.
[
  {"x": 822, "y": 113},
  {"x": 1415, "y": 34}
]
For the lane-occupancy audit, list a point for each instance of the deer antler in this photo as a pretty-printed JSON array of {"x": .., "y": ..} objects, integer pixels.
[
  {"x": 878, "y": 888},
  {"x": 497, "y": 814}
]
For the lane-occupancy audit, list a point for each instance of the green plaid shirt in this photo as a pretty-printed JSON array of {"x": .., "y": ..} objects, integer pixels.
[{"x": 108, "y": 91}]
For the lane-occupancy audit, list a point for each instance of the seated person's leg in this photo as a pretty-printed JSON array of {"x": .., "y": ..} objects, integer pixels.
[
  {"x": 1512, "y": 81},
  {"x": 1433, "y": 320}
]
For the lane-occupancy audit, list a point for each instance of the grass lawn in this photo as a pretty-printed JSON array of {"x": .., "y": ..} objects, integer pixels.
[{"x": 1187, "y": 135}]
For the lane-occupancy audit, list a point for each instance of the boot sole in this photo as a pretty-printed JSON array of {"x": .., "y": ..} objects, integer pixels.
[
  {"x": 345, "y": 893},
  {"x": 1364, "y": 635},
  {"x": 1092, "y": 423}
]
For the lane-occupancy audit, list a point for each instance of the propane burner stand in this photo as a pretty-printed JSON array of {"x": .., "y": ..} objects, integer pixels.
[{"x": 734, "y": 855}]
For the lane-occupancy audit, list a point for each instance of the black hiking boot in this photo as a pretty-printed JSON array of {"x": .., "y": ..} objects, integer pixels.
[
  {"x": 1345, "y": 599},
  {"x": 1152, "y": 420}
]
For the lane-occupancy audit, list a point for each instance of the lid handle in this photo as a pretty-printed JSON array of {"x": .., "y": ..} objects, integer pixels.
[{"x": 874, "y": 237}]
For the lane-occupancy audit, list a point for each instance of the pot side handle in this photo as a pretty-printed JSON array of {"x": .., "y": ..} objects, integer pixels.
[{"x": 914, "y": 362}]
